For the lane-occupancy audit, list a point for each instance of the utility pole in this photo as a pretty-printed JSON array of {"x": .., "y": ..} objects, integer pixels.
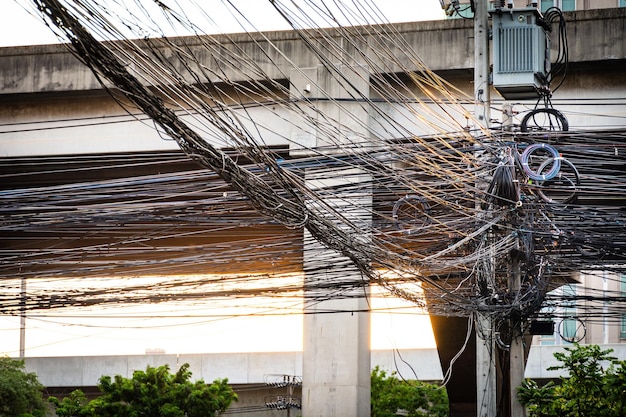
[
  {"x": 517, "y": 360},
  {"x": 482, "y": 96},
  {"x": 485, "y": 349},
  {"x": 288, "y": 401}
]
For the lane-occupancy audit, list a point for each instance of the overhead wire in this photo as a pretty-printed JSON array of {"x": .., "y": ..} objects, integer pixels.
[{"x": 450, "y": 256}]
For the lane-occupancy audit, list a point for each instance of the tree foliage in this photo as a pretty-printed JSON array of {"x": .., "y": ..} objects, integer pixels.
[
  {"x": 21, "y": 394},
  {"x": 412, "y": 398},
  {"x": 596, "y": 386},
  {"x": 154, "y": 392}
]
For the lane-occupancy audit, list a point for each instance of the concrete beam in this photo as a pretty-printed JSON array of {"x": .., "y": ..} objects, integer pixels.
[
  {"x": 250, "y": 368},
  {"x": 239, "y": 368},
  {"x": 594, "y": 35}
]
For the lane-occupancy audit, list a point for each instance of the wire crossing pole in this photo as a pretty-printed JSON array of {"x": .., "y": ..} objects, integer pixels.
[{"x": 485, "y": 349}]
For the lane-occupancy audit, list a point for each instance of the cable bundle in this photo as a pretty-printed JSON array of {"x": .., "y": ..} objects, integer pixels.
[{"x": 395, "y": 185}]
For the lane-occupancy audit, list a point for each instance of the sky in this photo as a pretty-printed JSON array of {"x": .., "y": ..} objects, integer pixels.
[
  {"x": 197, "y": 328},
  {"x": 200, "y": 326},
  {"x": 18, "y": 27}
]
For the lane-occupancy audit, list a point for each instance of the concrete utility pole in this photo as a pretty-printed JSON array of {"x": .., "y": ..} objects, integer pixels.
[
  {"x": 517, "y": 361},
  {"x": 482, "y": 96},
  {"x": 486, "y": 379},
  {"x": 485, "y": 349}
]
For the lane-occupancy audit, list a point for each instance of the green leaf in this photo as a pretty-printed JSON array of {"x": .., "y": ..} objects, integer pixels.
[
  {"x": 588, "y": 390},
  {"x": 154, "y": 392}
]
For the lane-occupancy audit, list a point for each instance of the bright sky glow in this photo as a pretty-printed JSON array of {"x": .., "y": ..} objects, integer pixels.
[
  {"x": 212, "y": 326},
  {"x": 19, "y": 27}
]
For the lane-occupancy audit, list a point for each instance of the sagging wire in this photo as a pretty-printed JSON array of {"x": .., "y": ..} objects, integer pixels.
[{"x": 398, "y": 160}]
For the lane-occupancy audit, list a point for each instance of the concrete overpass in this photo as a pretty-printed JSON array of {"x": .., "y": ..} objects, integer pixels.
[
  {"x": 43, "y": 85},
  {"x": 444, "y": 45},
  {"x": 253, "y": 367}
]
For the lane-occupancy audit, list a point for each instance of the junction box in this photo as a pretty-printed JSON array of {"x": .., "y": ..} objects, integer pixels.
[{"x": 521, "y": 53}]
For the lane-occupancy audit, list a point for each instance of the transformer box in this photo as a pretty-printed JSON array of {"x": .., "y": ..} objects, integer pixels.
[{"x": 521, "y": 53}]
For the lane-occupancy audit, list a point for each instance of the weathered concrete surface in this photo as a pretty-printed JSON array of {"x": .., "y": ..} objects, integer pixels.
[
  {"x": 594, "y": 35},
  {"x": 50, "y": 103},
  {"x": 239, "y": 368},
  {"x": 251, "y": 368}
]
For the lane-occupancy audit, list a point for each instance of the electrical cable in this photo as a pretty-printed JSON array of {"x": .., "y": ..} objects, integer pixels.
[{"x": 395, "y": 130}]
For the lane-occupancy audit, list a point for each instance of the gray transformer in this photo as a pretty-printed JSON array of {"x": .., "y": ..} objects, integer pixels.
[{"x": 521, "y": 53}]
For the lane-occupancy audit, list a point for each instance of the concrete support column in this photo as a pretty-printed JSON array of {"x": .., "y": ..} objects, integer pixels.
[
  {"x": 23, "y": 318},
  {"x": 336, "y": 357},
  {"x": 451, "y": 334}
]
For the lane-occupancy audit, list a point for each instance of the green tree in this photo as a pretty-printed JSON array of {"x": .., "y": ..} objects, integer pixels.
[
  {"x": 21, "y": 394},
  {"x": 154, "y": 392},
  {"x": 392, "y": 396},
  {"x": 71, "y": 406},
  {"x": 595, "y": 386}
]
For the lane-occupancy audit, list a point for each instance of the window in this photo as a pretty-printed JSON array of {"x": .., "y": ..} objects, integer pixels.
[
  {"x": 570, "y": 324},
  {"x": 621, "y": 3},
  {"x": 565, "y": 5},
  {"x": 548, "y": 311},
  {"x": 569, "y": 330}
]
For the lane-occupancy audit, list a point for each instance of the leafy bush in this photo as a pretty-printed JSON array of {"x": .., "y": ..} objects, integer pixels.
[
  {"x": 21, "y": 394},
  {"x": 392, "y": 396},
  {"x": 153, "y": 393},
  {"x": 591, "y": 389}
]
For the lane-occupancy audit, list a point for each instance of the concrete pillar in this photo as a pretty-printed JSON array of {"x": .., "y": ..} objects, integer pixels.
[
  {"x": 517, "y": 354},
  {"x": 516, "y": 375},
  {"x": 336, "y": 357},
  {"x": 485, "y": 367}
]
